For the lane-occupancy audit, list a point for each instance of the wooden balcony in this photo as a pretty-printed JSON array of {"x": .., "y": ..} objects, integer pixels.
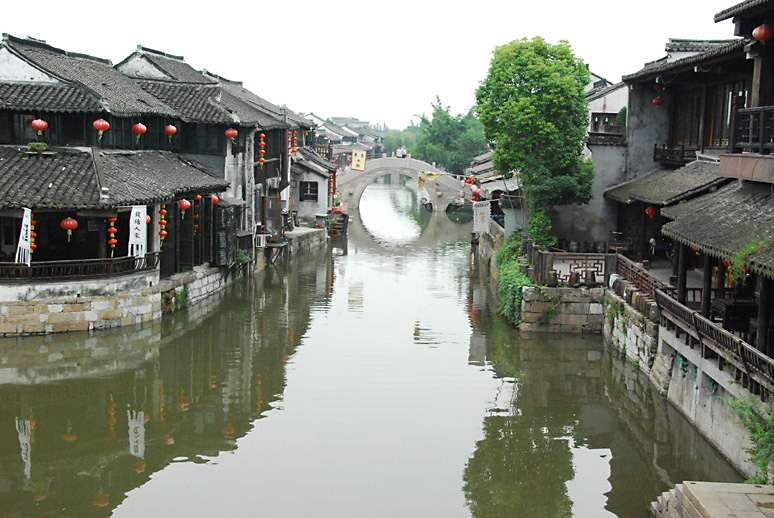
[
  {"x": 751, "y": 368},
  {"x": 81, "y": 269},
  {"x": 753, "y": 130}
]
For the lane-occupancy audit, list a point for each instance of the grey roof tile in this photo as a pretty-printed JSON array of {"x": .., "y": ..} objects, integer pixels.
[{"x": 47, "y": 98}]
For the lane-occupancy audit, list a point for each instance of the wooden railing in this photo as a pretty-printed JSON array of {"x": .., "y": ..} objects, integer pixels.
[
  {"x": 756, "y": 369},
  {"x": 753, "y": 130},
  {"x": 81, "y": 269},
  {"x": 679, "y": 155},
  {"x": 638, "y": 276},
  {"x": 564, "y": 264}
]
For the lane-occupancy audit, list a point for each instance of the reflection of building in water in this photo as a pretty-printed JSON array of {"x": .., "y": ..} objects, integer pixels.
[{"x": 185, "y": 389}]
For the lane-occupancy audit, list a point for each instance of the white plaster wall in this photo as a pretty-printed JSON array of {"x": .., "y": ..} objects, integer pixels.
[
  {"x": 137, "y": 66},
  {"x": 41, "y": 290},
  {"x": 611, "y": 102},
  {"x": 308, "y": 209},
  {"x": 12, "y": 68}
]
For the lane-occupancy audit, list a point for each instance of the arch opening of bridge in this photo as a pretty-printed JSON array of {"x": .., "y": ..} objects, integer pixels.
[{"x": 442, "y": 191}]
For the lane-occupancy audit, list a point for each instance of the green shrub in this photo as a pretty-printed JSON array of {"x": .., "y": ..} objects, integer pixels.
[{"x": 761, "y": 427}]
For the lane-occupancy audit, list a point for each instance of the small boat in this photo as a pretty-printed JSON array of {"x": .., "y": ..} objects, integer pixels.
[{"x": 338, "y": 220}]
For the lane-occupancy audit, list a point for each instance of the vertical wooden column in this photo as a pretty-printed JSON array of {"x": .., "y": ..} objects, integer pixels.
[
  {"x": 706, "y": 287},
  {"x": 675, "y": 259},
  {"x": 682, "y": 274},
  {"x": 764, "y": 310}
]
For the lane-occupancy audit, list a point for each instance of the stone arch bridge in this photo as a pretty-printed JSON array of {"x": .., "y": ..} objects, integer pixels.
[{"x": 441, "y": 191}]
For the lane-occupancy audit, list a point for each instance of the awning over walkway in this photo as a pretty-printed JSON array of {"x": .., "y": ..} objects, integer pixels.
[
  {"x": 726, "y": 221},
  {"x": 668, "y": 186}
]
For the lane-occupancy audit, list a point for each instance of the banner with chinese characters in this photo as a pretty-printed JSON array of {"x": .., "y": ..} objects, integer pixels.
[
  {"x": 23, "y": 248},
  {"x": 138, "y": 231},
  {"x": 481, "y": 214},
  {"x": 358, "y": 160}
]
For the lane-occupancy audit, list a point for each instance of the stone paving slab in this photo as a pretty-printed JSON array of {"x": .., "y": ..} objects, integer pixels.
[{"x": 722, "y": 500}]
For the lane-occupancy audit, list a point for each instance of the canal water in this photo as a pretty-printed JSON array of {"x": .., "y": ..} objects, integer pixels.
[{"x": 370, "y": 379}]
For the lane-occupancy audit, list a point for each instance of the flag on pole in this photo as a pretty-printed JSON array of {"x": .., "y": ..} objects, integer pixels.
[
  {"x": 427, "y": 176},
  {"x": 23, "y": 248},
  {"x": 358, "y": 160}
]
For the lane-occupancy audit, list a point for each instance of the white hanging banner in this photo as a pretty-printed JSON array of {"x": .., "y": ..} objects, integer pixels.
[
  {"x": 481, "y": 214},
  {"x": 23, "y": 249},
  {"x": 136, "y": 433},
  {"x": 138, "y": 231}
]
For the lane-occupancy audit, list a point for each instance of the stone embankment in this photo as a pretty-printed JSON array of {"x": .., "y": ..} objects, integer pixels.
[
  {"x": 135, "y": 299},
  {"x": 715, "y": 500}
]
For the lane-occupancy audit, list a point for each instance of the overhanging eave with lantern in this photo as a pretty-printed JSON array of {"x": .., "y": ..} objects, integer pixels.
[
  {"x": 89, "y": 206},
  {"x": 639, "y": 203}
]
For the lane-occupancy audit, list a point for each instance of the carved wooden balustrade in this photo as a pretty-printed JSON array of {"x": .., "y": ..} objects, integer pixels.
[{"x": 80, "y": 269}]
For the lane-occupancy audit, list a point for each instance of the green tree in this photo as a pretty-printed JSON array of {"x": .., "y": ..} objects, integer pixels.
[
  {"x": 406, "y": 137},
  {"x": 533, "y": 109},
  {"x": 449, "y": 141}
]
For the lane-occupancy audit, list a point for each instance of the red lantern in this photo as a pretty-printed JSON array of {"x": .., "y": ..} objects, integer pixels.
[
  {"x": 658, "y": 101},
  {"x": 162, "y": 223},
  {"x": 198, "y": 197},
  {"x": 112, "y": 241},
  {"x": 763, "y": 33},
  {"x": 469, "y": 180},
  {"x": 261, "y": 152},
  {"x": 163, "y": 233},
  {"x": 262, "y": 135},
  {"x": 69, "y": 224},
  {"x": 147, "y": 219},
  {"x": 112, "y": 230},
  {"x": 650, "y": 211},
  {"x": 215, "y": 199},
  {"x": 726, "y": 263},
  {"x": 139, "y": 128},
  {"x": 170, "y": 130},
  {"x": 39, "y": 125},
  {"x": 163, "y": 212},
  {"x": 33, "y": 246},
  {"x": 231, "y": 133},
  {"x": 184, "y": 205},
  {"x": 101, "y": 125}
]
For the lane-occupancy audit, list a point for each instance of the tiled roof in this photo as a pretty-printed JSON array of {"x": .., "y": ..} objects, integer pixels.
[
  {"x": 237, "y": 89},
  {"x": 661, "y": 66},
  {"x": 249, "y": 113},
  {"x": 667, "y": 186},
  {"x": 121, "y": 95},
  {"x": 684, "y": 45},
  {"x": 47, "y": 98},
  {"x": 142, "y": 177},
  {"x": 739, "y": 8},
  {"x": 66, "y": 179},
  {"x": 313, "y": 156},
  {"x": 176, "y": 67},
  {"x": 194, "y": 102},
  {"x": 601, "y": 92},
  {"x": 724, "y": 222}
]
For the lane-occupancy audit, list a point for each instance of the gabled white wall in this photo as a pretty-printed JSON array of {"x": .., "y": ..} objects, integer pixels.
[
  {"x": 13, "y": 68},
  {"x": 138, "y": 66}
]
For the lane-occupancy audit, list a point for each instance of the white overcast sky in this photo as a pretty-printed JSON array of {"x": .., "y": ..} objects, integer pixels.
[{"x": 384, "y": 62}]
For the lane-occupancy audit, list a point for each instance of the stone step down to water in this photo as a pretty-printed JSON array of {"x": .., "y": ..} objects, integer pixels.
[{"x": 715, "y": 500}]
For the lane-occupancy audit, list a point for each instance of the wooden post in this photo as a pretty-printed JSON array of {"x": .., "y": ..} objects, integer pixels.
[
  {"x": 675, "y": 259},
  {"x": 682, "y": 274},
  {"x": 764, "y": 309},
  {"x": 706, "y": 287}
]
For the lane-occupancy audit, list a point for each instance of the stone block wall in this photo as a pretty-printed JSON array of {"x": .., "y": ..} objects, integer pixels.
[{"x": 562, "y": 310}]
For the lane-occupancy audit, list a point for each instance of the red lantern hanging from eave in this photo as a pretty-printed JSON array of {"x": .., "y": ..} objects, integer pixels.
[
  {"x": 101, "y": 125},
  {"x": 69, "y": 224},
  {"x": 215, "y": 199},
  {"x": 170, "y": 130},
  {"x": 139, "y": 128},
  {"x": 184, "y": 205},
  {"x": 658, "y": 101},
  {"x": 39, "y": 125},
  {"x": 763, "y": 33},
  {"x": 231, "y": 133},
  {"x": 650, "y": 212}
]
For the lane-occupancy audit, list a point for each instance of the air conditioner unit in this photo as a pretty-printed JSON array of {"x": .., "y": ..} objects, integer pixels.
[
  {"x": 273, "y": 182},
  {"x": 260, "y": 240}
]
